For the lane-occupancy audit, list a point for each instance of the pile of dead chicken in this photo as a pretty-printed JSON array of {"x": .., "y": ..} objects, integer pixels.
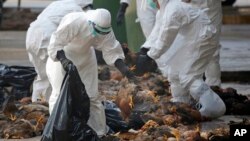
[
  {"x": 22, "y": 119},
  {"x": 145, "y": 107},
  {"x": 150, "y": 115}
]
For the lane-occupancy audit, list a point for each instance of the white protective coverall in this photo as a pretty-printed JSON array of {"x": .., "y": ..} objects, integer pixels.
[
  {"x": 213, "y": 9},
  {"x": 146, "y": 15},
  {"x": 76, "y": 36},
  {"x": 37, "y": 41},
  {"x": 151, "y": 40},
  {"x": 214, "y": 12},
  {"x": 188, "y": 32}
]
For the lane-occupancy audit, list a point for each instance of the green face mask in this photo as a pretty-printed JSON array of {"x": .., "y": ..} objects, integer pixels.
[
  {"x": 152, "y": 4},
  {"x": 92, "y": 30},
  {"x": 98, "y": 30}
]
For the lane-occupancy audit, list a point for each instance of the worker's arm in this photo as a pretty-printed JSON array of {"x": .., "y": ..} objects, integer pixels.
[
  {"x": 121, "y": 12},
  {"x": 113, "y": 55},
  {"x": 123, "y": 68},
  {"x": 111, "y": 49},
  {"x": 64, "y": 34},
  {"x": 173, "y": 21}
]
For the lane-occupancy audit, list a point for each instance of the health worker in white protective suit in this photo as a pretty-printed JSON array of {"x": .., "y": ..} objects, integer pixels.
[
  {"x": 214, "y": 12},
  {"x": 213, "y": 9},
  {"x": 146, "y": 12},
  {"x": 74, "y": 42},
  {"x": 38, "y": 37},
  {"x": 186, "y": 35}
]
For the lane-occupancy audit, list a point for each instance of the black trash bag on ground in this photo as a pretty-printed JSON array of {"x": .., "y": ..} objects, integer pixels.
[
  {"x": 135, "y": 120},
  {"x": 57, "y": 125},
  {"x": 20, "y": 78},
  {"x": 68, "y": 121},
  {"x": 113, "y": 117},
  {"x": 81, "y": 131},
  {"x": 1, "y": 96},
  {"x": 17, "y": 76}
]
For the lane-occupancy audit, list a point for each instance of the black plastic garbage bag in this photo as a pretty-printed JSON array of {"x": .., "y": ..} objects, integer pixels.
[
  {"x": 1, "y": 97},
  {"x": 113, "y": 117},
  {"x": 17, "y": 76},
  {"x": 20, "y": 78},
  {"x": 68, "y": 121},
  {"x": 57, "y": 125},
  {"x": 80, "y": 131}
]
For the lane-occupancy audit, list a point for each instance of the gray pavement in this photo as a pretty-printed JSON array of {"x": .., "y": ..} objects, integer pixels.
[
  {"x": 12, "y": 48},
  {"x": 235, "y": 50}
]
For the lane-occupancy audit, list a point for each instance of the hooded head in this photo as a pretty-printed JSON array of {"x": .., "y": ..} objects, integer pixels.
[{"x": 100, "y": 19}]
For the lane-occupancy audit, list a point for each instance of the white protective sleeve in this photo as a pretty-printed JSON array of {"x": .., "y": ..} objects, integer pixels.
[
  {"x": 67, "y": 30},
  {"x": 174, "y": 20},
  {"x": 111, "y": 49}
]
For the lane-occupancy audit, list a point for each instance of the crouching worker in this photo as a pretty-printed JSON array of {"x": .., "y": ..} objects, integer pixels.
[
  {"x": 38, "y": 36},
  {"x": 186, "y": 44},
  {"x": 74, "y": 42}
]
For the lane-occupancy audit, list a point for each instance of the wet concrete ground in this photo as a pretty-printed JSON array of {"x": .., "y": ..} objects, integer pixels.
[
  {"x": 235, "y": 55},
  {"x": 235, "y": 50}
]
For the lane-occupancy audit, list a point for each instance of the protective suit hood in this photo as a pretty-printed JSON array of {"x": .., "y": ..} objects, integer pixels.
[{"x": 101, "y": 19}]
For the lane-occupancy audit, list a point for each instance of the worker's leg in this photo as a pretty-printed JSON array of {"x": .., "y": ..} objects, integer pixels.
[
  {"x": 146, "y": 16},
  {"x": 41, "y": 86},
  {"x": 213, "y": 72},
  {"x": 179, "y": 94},
  {"x": 55, "y": 75},
  {"x": 97, "y": 119}
]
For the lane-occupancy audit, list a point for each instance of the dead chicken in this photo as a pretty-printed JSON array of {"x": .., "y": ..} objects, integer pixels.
[
  {"x": 146, "y": 101},
  {"x": 171, "y": 120},
  {"x": 103, "y": 73},
  {"x": 116, "y": 75},
  {"x": 124, "y": 99},
  {"x": 37, "y": 114},
  {"x": 9, "y": 108},
  {"x": 188, "y": 114},
  {"x": 130, "y": 57},
  {"x": 25, "y": 100},
  {"x": 3, "y": 125},
  {"x": 164, "y": 131},
  {"x": 236, "y": 104},
  {"x": 20, "y": 129},
  {"x": 191, "y": 135},
  {"x": 34, "y": 107},
  {"x": 33, "y": 116},
  {"x": 38, "y": 119},
  {"x": 219, "y": 134}
]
